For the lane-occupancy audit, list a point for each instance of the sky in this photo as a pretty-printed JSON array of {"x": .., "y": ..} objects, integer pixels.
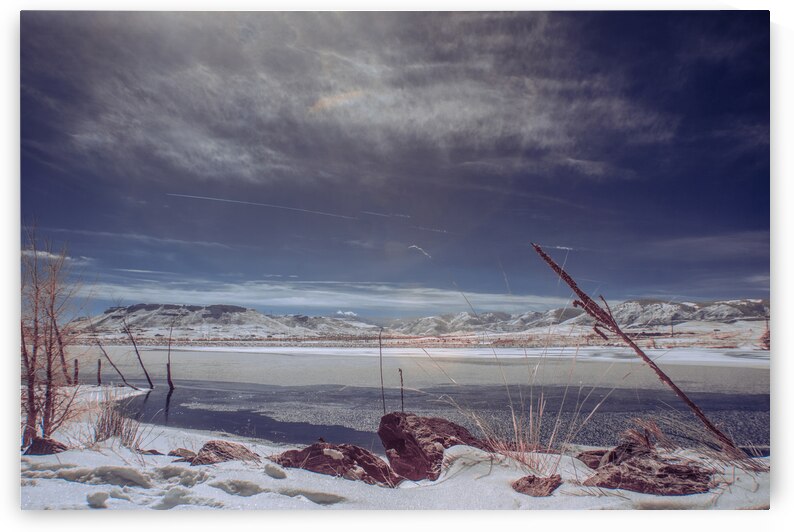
[{"x": 399, "y": 164}]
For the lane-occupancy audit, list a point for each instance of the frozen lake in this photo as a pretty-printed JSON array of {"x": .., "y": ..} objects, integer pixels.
[
  {"x": 297, "y": 395},
  {"x": 708, "y": 370}
]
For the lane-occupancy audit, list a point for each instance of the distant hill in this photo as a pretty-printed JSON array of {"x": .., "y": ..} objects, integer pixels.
[
  {"x": 229, "y": 321},
  {"x": 629, "y": 314}
]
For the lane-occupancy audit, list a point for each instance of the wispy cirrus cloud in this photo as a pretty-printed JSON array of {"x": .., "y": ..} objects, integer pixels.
[
  {"x": 140, "y": 238},
  {"x": 719, "y": 247},
  {"x": 50, "y": 256}
]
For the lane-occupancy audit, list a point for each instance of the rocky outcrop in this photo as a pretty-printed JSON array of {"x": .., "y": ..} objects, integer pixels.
[
  {"x": 341, "y": 460},
  {"x": 637, "y": 467},
  {"x": 537, "y": 486},
  {"x": 41, "y": 446},
  {"x": 649, "y": 474},
  {"x": 215, "y": 451},
  {"x": 415, "y": 444}
]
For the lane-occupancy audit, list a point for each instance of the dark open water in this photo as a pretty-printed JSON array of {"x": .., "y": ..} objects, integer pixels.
[{"x": 342, "y": 414}]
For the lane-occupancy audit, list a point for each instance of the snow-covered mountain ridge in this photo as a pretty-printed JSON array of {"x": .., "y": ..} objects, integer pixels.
[{"x": 239, "y": 322}]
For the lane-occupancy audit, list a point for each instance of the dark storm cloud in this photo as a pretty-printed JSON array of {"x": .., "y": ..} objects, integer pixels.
[{"x": 268, "y": 98}]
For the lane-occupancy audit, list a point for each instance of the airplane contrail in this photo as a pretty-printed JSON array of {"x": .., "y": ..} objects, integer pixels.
[
  {"x": 380, "y": 214},
  {"x": 270, "y": 205},
  {"x": 385, "y": 215},
  {"x": 429, "y": 229}
]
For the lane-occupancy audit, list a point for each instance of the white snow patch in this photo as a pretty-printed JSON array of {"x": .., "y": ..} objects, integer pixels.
[{"x": 333, "y": 453}]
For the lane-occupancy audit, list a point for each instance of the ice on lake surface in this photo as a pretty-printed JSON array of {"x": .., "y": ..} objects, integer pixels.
[
  {"x": 713, "y": 370},
  {"x": 298, "y": 395}
]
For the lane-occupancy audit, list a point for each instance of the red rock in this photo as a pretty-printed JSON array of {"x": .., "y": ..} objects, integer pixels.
[
  {"x": 215, "y": 451},
  {"x": 341, "y": 460},
  {"x": 653, "y": 475},
  {"x": 185, "y": 454},
  {"x": 153, "y": 452},
  {"x": 592, "y": 459},
  {"x": 537, "y": 486},
  {"x": 629, "y": 448},
  {"x": 623, "y": 452},
  {"x": 634, "y": 465},
  {"x": 41, "y": 446},
  {"x": 415, "y": 445}
]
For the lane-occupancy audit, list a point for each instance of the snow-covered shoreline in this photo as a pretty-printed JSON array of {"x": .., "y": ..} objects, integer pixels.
[
  {"x": 747, "y": 356},
  {"x": 108, "y": 475}
]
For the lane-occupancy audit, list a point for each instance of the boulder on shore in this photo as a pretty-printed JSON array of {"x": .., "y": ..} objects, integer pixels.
[
  {"x": 341, "y": 460},
  {"x": 185, "y": 455},
  {"x": 215, "y": 451},
  {"x": 415, "y": 444},
  {"x": 637, "y": 467},
  {"x": 537, "y": 486},
  {"x": 654, "y": 476}
]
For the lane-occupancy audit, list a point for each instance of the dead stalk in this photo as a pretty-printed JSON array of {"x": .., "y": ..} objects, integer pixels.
[
  {"x": 402, "y": 395},
  {"x": 605, "y": 320},
  {"x": 99, "y": 345},
  {"x": 380, "y": 356},
  {"x": 168, "y": 365},
  {"x": 128, "y": 332}
]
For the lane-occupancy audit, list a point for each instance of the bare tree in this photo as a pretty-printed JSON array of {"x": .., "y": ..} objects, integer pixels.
[{"x": 46, "y": 331}]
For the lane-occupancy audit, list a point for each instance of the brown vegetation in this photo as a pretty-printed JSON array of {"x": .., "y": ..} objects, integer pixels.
[{"x": 46, "y": 331}]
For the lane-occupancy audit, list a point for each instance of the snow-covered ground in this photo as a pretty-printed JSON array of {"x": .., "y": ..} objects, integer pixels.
[
  {"x": 111, "y": 476},
  {"x": 108, "y": 475}
]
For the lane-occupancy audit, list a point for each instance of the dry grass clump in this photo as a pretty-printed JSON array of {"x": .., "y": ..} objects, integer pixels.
[
  {"x": 540, "y": 439},
  {"x": 110, "y": 423},
  {"x": 105, "y": 421},
  {"x": 534, "y": 439}
]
